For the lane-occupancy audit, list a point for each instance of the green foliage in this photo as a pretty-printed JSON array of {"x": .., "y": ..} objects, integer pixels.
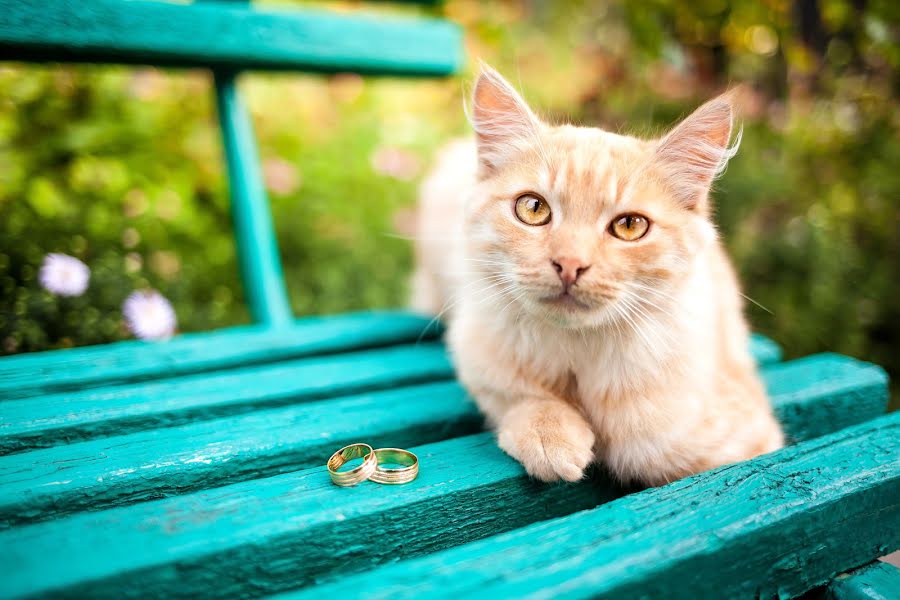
[{"x": 122, "y": 167}]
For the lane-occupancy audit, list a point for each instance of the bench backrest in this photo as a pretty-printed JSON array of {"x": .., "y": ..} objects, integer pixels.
[{"x": 229, "y": 37}]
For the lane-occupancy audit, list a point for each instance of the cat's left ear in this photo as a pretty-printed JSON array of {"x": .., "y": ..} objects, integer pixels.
[
  {"x": 502, "y": 120},
  {"x": 693, "y": 154}
]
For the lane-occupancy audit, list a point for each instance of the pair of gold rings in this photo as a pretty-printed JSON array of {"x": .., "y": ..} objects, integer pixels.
[{"x": 372, "y": 466}]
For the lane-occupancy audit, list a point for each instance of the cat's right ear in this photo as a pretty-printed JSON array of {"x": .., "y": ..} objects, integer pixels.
[{"x": 502, "y": 120}]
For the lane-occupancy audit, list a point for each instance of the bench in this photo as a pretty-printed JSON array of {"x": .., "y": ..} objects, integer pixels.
[{"x": 195, "y": 467}]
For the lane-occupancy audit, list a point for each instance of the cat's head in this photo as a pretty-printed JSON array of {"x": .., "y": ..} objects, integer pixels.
[{"x": 584, "y": 226}]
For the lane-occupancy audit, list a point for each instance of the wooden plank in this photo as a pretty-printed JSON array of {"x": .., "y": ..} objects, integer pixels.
[
  {"x": 828, "y": 391},
  {"x": 778, "y": 525},
  {"x": 231, "y": 35},
  {"x": 257, "y": 248},
  {"x": 131, "y": 361},
  {"x": 95, "y": 475},
  {"x": 875, "y": 581},
  {"x": 72, "y": 416},
  {"x": 282, "y": 532},
  {"x": 296, "y": 527},
  {"x": 847, "y": 392},
  {"x": 764, "y": 350},
  {"x": 124, "y": 469}
]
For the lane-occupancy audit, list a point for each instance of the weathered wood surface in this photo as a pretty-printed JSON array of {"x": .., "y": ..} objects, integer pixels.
[
  {"x": 119, "y": 470},
  {"x": 220, "y": 34},
  {"x": 778, "y": 525},
  {"x": 876, "y": 581},
  {"x": 40, "y": 373},
  {"x": 43, "y": 373},
  {"x": 848, "y": 392},
  {"x": 276, "y": 533},
  {"x": 782, "y": 523},
  {"x": 73, "y": 416},
  {"x": 828, "y": 391}
]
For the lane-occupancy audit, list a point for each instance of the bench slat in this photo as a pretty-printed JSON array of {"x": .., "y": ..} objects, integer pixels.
[
  {"x": 303, "y": 529},
  {"x": 778, "y": 525},
  {"x": 134, "y": 360},
  {"x": 72, "y": 416},
  {"x": 297, "y": 522},
  {"x": 829, "y": 390},
  {"x": 163, "y": 462},
  {"x": 217, "y": 34},
  {"x": 299, "y": 525},
  {"x": 764, "y": 350},
  {"x": 876, "y": 581}
]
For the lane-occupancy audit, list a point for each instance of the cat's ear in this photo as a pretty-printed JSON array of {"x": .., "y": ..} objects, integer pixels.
[
  {"x": 501, "y": 119},
  {"x": 697, "y": 151}
]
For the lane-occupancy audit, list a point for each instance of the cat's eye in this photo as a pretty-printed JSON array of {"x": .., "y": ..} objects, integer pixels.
[
  {"x": 532, "y": 210},
  {"x": 629, "y": 227}
]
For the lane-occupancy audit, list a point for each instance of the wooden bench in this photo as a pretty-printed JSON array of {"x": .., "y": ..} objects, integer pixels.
[{"x": 195, "y": 467}]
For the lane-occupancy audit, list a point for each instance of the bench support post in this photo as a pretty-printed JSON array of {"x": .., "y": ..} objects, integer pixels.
[{"x": 257, "y": 248}]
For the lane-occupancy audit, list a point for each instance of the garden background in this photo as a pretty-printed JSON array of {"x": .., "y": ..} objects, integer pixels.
[{"x": 122, "y": 167}]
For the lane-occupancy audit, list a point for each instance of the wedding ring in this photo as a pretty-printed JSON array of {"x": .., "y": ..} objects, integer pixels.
[
  {"x": 405, "y": 473},
  {"x": 357, "y": 474}
]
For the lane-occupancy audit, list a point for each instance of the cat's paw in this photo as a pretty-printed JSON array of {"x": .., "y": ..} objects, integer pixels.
[{"x": 551, "y": 440}]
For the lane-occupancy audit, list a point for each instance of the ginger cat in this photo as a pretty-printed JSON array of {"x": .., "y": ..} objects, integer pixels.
[{"x": 592, "y": 312}]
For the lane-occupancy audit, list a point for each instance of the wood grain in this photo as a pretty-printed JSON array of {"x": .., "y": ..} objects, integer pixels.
[
  {"x": 296, "y": 527},
  {"x": 164, "y": 462},
  {"x": 762, "y": 525},
  {"x": 812, "y": 396},
  {"x": 778, "y": 525},
  {"x": 875, "y": 581},
  {"x": 72, "y": 416},
  {"x": 132, "y": 361}
]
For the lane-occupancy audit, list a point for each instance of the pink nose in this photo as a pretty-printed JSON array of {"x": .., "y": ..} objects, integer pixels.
[{"x": 569, "y": 269}]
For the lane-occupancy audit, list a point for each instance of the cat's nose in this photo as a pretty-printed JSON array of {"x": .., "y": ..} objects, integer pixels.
[{"x": 569, "y": 269}]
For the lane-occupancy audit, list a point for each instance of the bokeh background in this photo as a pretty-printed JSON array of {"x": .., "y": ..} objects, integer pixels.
[{"x": 122, "y": 167}]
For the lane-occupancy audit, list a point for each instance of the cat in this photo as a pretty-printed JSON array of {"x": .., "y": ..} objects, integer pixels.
[{"x": 591, "y": 310}]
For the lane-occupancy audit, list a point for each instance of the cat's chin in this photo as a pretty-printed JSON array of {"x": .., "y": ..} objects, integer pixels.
[
  {"x": 566, "y": 302},
  {"x": 570, "y": 312}
]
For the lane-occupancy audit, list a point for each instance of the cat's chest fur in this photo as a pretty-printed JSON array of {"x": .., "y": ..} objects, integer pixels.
[{"x": 632, "y": 397}]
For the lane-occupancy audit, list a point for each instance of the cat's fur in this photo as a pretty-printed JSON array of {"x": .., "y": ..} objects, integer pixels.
[{"x": 645, "y": 364}]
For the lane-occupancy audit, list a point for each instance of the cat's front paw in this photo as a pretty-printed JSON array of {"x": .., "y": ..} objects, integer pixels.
[{"x": 551, "y": 440}]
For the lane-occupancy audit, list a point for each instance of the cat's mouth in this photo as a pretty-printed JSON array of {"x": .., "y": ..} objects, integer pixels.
[{"x": 565, "y": 300}]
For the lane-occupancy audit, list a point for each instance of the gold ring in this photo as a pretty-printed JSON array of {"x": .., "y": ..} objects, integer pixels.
[
  {"x": 357, "y": 474},
  {"x": 390, "y": 475}
]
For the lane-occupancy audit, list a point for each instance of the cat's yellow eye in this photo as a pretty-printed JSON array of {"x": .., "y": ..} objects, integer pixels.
[
  {"x": 629, "y": 227},
  {"x": 532, "y": 210}
]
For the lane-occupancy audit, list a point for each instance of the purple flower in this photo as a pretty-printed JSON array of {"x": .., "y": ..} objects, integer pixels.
[
  {"x": 149, "y": 315},
  {"x": 64, "y": 275}
]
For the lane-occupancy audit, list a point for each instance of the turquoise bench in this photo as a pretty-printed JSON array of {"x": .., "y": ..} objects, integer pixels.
[{"x": 195, "y": 467}]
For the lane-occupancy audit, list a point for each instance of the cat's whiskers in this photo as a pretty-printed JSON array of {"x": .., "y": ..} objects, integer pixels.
[
  {"x": 459, "y": 296},
  {"x": 515, "y": 299},
  {"x": 625, "y": 314},
  {"x": 640, "y": 298},
  {"x": 503, "y": 290},
  {"x": 646, "y": 324},
  {"x": 676, "y": 302},
  {"x": 756, "y": 303}
]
